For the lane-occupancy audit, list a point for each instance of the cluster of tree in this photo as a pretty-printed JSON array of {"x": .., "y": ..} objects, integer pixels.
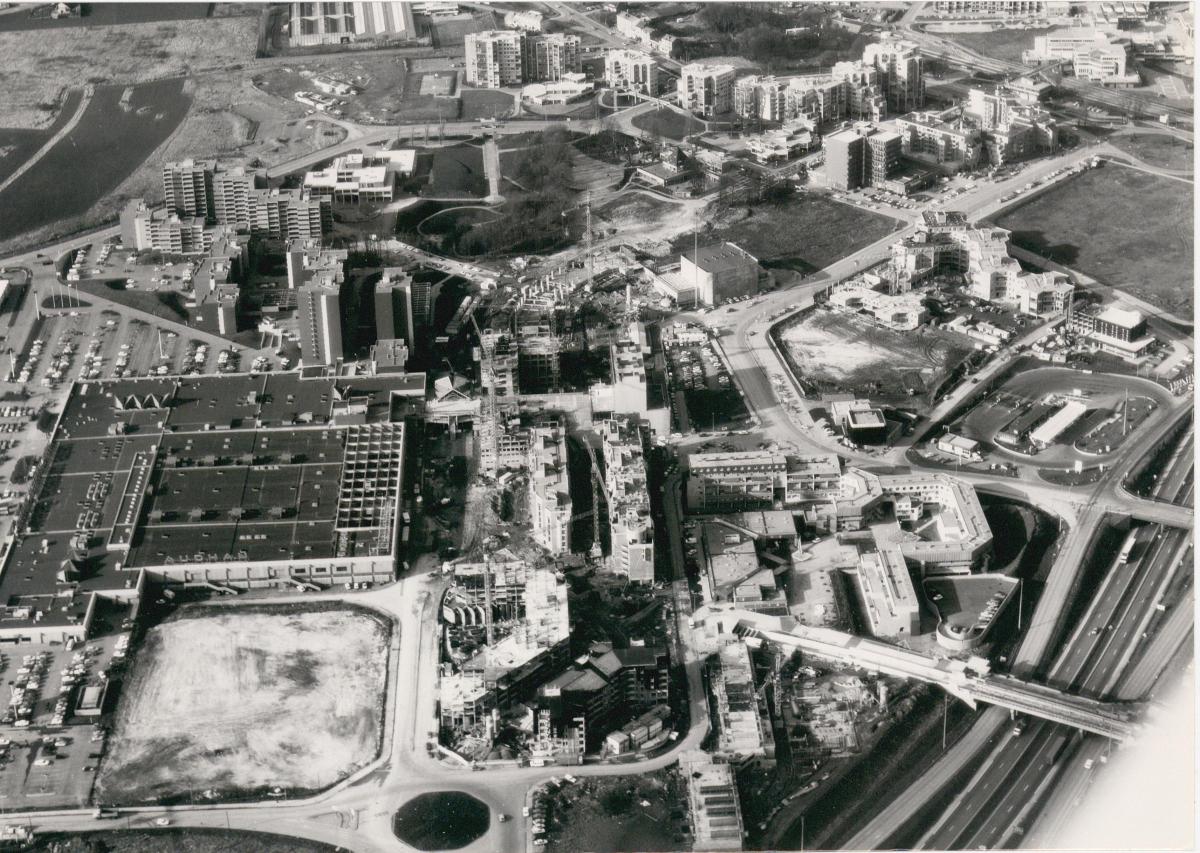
[
  {"x": 539, "y": 214},
  {"x": 751, "y": 188},
  {"x": 760, "y": 34}
]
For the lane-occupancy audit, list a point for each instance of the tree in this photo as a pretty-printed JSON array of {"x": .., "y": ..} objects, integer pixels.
[{"x": 616, "y": 801}]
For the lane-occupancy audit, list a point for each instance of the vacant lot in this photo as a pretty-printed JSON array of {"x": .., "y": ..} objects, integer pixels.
[
  {"x": 806, "y": 233},
  {"x": 1128, "y": 229},
  {"x": 846, "y": 352},
  {"x": 238, "y": 701},
  {"x": 37, "y": 68},
  {"x": 998, "y": 44},
  {"x": 1164, "y": 150},
  {"x": 608, "y": 815}
]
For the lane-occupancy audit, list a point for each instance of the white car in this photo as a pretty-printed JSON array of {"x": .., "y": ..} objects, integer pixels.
[{"x": 162, "y": 821}]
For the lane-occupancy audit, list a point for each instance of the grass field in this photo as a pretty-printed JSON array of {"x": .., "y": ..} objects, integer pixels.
[
  {"x": 1128, "y": 229},
  {"x": 667, "y": 122},
  {"x": 165, "y": 304},
  {"x": 806, "y": 233},
  {"x": 240, "y": 701},
  {"x": 1158, "y": 149},
  {"x": 998, "y": 44},
  {"x": 457, "y": 172},
  {"x": 485, "y": 103}
]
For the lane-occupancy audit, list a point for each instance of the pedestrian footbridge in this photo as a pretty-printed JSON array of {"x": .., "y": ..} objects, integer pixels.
[{"x": 970, "y": 680}]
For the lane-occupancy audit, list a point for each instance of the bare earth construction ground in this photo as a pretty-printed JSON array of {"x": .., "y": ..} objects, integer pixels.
[
  {"x": 842, "y": 352},
  {"x": 243, "y": 700}
]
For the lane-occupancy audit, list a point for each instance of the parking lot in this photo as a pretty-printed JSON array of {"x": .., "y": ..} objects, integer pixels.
[
  {"x": 54, "y": 771},
  {"x": 91, "y": 343},
  {"x": 703, "y": 395},
  {"x": 48, "y": 757}
]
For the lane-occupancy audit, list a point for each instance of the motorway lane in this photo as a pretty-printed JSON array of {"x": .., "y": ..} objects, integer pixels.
[
  {"x": 1124, "y": 586},
  {"x": 1011, "y": 758},
  {"x": 1018, "y": 790},
  {"x": 1127, "y": 641},
  {"x": 1097, "y": 669},
  {"x": 934, "y": 45},
  {"x": 992, "y": 724}
]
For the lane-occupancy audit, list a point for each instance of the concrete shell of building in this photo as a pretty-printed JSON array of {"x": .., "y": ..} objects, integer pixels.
[{"x": 549, "y": 490}]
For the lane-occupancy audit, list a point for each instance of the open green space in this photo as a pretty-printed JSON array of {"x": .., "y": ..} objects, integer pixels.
[
  {"x": 1003, "y": 44},
  {"x": 784, "y": 37},
  {"x": 808, "y": 232},
  {"x": 166, "y": 304},
  {"x": 176, "y": 840},
  {"x": 540, "y": 211},
  {"x": 1164, "y": 150},
  {"x": 1126, "y": 228},
  {"x": 667, "y": 122},
  {"x": 485, "y": 103},
  {"x": 446, "y": 820},
  {"x": 457, "y": 172}
]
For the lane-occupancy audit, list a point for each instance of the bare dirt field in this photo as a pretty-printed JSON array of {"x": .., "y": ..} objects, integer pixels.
[
  {"x": 36, "y": 70},
  {"x": 847, "y": 352},
  {"x": 239, "y": 701}
]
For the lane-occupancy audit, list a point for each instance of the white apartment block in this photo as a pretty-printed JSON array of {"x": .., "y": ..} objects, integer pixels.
[
  {"x": 886, "y": 593},
  {"x": 494, "y": 58},
  {"x": 549, "y": 489},
  {"x": 901, "y": 72},
  {"x": 850, "y": 91},
  {"x": 319, "y": 322},
  {"x": 163, "y": 230},
  {"x": 631, "y": 70},
  {"x": 721, "y": 482},
  {"x": 550, "y": 57},
  {"x": 622, "y": 446},
  {"x": 187, "y": 187},
  {"x": 706, "y": 90}
]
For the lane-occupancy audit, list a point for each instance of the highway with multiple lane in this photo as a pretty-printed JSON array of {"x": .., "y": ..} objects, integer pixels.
[{"x": 1118, "y": 650}]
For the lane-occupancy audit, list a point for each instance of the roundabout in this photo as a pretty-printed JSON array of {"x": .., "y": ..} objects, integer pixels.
[{"x": 443, "y": 820}]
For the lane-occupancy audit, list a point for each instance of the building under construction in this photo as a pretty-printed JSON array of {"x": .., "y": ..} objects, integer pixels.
[{"x": 506, "y": 631}]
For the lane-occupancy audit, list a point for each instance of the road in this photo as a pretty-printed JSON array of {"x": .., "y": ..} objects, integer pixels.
[
  {"x": 753, "y": 365},
  {"x": 934, "y": 45},
  {"x": 579, "y": 21}
]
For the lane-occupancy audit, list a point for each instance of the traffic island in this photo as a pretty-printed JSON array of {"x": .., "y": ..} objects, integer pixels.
[{"x": 445, "y": 820}]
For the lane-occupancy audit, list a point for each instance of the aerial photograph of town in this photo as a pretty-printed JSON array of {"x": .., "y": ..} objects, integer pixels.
[{"x": 584, "y": 427}]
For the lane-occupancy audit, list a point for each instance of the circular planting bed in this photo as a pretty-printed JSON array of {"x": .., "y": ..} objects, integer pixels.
[{"x": 446, "y": 820}]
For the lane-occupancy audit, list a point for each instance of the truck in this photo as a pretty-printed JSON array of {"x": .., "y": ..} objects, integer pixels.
[{"x": 106, "y": 813}]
